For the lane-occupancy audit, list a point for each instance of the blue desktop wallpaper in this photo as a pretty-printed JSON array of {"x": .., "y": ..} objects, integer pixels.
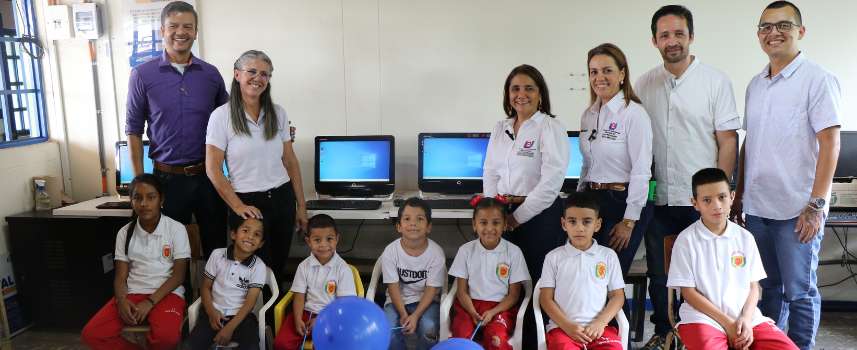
[
  {"x": 575, "y": 159},
  {"x": 453, "y": 158},
  {"x": 354, "y": 161},
  {"x": 126, "y": 171}
]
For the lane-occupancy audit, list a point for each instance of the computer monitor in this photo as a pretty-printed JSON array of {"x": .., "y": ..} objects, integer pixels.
[
  {"x": 355, "y": 166},
  {"x": 575, "y": 163},
  {"x": 846, "y": 167},
  {"x": 451, "y": 162},
  {"x": 125, "y": 171}
]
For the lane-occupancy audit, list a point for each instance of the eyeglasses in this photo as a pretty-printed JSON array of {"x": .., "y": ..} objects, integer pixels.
[
  {"x": 782, "y": 27},
  {"x": 254, "y": 73}
]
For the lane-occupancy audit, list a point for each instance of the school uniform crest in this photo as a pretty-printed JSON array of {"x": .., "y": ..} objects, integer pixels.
[
  {"x": 600, "y": 270},
  {"x": 503, "y": 271},
  {"x": 330, "y": 287},
  {"x": 738, "y": 260},
  {"x": 167, "y": 251}
]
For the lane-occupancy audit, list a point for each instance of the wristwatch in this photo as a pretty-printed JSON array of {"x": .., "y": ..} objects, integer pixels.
[
  {"x": 628, "y": 223},
  {"x": 816, "y": 203}
]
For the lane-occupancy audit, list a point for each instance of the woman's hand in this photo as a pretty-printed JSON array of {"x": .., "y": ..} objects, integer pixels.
[
  {"x": 301, "y": 218},
  {"x": 247, "y": 211},
  {"x": 620, "y": 235},
  {"x": 511, "y": 223}
]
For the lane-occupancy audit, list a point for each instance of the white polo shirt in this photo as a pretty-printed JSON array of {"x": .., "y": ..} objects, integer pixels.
[
  {"x": 413, "y": 273},
  {"x": 323, "y": 283},
  {"x": 255, "y": 164},
  {"x": 233, "y": 279},
  {"x": 152, "y": 255},
  {"x": 685, "y": 113},
  {"x": 581, "y": 280},
  {"x": 489, "y": 272},
  {"x": 721, "y": 268},
  {"x": 783, "y": 115},
  {"x": 621, "y": 151},
  {"x": 532, "y": 165}
]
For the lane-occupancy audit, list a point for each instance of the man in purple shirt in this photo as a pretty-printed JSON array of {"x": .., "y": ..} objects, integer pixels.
[{"x": 175, "y": 95}]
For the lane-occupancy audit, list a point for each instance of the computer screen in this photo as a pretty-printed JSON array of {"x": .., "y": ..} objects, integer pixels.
[
  {"x": 451, "y": 162},
  {"x": 125, "y": 171},
  {"x": 354, "y": 165},
  {"x": 846, "y": 167},
  {"x": 575, "y": 163}
]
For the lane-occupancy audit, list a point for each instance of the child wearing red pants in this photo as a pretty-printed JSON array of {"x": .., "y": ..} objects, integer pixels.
[
  {"x": 152, "y": 253},
  {"x": 488, "y": 272},
  {"x": 577, "y": 279},
  {"x": 319, "y": 279},
  {"x": 717, "y": 266}
]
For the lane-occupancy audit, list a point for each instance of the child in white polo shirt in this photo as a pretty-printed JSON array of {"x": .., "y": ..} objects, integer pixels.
[
  {"x": 234, "y": 277},
  {"x": 488, "y": 272},
  {"x": 716, "y": 265},
  {"x": 319, "y": 279},
  {"x": 151, "y": 256},
  {"x": 413, "y": 268},
  {"x": 581, "y": 285}
]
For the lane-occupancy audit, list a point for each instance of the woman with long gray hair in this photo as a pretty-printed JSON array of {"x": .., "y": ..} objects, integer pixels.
[{"x": 251, "y": 134}]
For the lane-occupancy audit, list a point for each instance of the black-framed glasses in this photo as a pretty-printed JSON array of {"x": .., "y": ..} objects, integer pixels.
[
  {"x": 593, "y": 135},
  {"x": 254, "y": 73},
  {"x": 782, "y": 27}
]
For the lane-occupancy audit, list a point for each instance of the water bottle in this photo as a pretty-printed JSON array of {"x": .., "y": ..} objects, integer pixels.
[{"x": 42, "y": 199}]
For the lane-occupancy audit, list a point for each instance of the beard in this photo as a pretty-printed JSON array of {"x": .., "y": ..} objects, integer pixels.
[{"x": 674, "y": 56}]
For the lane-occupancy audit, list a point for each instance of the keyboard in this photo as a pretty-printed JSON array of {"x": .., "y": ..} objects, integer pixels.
[
  {"x": 114, "y": 205},
  {"x": 342, "y": 204},
  {"x": 441, "y": 203},
  {"x": 842, "y": 217}
]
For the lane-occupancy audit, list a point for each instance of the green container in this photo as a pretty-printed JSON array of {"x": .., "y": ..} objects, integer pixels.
[{"x": 652, "y": 185}]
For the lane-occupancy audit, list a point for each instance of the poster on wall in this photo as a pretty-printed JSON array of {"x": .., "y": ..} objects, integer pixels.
[{"x": 143, "y": 29}]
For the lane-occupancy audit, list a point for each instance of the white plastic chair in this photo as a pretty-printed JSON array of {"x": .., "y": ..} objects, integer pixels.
[
  {"x": 260, "y": 309},
  {"x": 515, "y": 340},
  {"x": 540, "y": 325},
  {"x": 376, "y": 280}
]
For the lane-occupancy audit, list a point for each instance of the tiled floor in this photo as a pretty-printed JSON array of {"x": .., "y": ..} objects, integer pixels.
[{"x": 837, "y": 332}]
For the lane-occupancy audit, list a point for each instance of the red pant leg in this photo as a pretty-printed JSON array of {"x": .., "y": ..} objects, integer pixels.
[
  {"x": 767, "y": 336},
  {"x": 165, "y": 321},
  {"x": 496, "y": 332},
  {"x": 700, "y": 336},
  {"x": 288, "y": 337},
  {"x": 462, "y": 324},
  {"x": 609, "y": 340},
  {"x": 557, "y": 339},
  {"x": 103, "y": 331}
]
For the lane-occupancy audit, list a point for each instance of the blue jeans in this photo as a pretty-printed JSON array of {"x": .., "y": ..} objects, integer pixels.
[
  {"x": 428, "y": 327},
  {"x": 790, "y": 293},
  {"x": 668, "y": 220}
]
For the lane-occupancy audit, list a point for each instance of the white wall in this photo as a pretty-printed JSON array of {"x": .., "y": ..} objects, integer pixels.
[{"x": 402, "y": 67}]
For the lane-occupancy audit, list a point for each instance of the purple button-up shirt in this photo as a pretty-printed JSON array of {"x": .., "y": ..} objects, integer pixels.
[{"x": 176, "y": 106}]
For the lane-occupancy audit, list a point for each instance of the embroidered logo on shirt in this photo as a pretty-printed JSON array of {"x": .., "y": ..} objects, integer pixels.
[
  {"x": 503, "y": 271},
  {"x": 529, "y": 144},
  {"x": 600, "y": 270},
  {"x": 331, "y": 287},
  {"x": 168, "y": 251},
  {"x": 243, "y": 283},
  {"x": 612, "y": 126},
  {"x": 738, "y": 260}
]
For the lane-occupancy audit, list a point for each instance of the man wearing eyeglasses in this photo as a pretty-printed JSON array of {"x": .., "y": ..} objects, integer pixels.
[
  {"x": 792, "y": 117},
  {"x": 694, "y": 123},
  {"x": 175, "y": 95}
]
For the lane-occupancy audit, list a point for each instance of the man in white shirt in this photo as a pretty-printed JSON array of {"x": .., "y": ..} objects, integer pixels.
[
  {"x": 792, "y": 115},
  {"x": 694, "y": 118}
]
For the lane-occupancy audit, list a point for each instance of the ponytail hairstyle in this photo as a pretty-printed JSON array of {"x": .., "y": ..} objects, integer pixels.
[
  {"x": 490, "y": 203},
  {"x": 236, "y": 103},
  {"x": 144, "y": 178}
]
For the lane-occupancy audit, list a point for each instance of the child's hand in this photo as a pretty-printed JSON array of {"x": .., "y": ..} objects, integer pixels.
[
  {"x": 409, "y": 324},
  {"x": 476, "y": 317},
  {"x": 214, "y": 319},
  {"x": 595, "y": 329},
  {"x": 732, "y": 332},
  {"x": 311, "y": 324},
  {"x": 488, "y": 315},
  {"x": 143, "y": 309},
  {"x": 127, "y": 311},
  {"x": 744, "y": 332},
  {"x": 225, "y": 335},
  {"x": 300, "y": 326},
  {"x": 577, "y": 333}
]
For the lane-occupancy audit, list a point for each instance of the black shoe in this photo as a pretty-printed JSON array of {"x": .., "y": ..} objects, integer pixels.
[{"x": 656, "y": 342}]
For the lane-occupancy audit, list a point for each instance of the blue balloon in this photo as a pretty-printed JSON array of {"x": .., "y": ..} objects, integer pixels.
[
  {"x": 351, "y": 323},
  {"x": 457, "y": 344}
]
